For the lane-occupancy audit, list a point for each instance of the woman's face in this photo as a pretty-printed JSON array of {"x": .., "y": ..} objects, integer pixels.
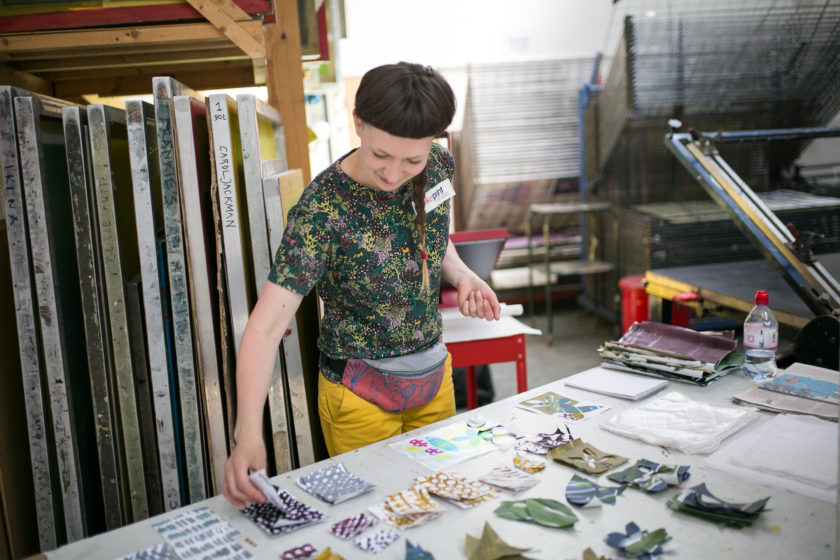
[{"x": 388, "y": 161}]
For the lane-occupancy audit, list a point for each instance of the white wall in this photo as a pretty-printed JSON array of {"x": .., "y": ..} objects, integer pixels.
[{"x": 455, "y": 33}]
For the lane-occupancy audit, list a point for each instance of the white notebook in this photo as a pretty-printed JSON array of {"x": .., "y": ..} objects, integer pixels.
[{"x": 615, "y": 383}]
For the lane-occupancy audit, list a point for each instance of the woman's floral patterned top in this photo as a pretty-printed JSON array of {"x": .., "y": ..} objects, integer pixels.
[{"x": 359, "y": 246}]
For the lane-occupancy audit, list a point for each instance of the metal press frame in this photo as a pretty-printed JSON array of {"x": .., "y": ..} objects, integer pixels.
[{"x": 809, "y": 279}]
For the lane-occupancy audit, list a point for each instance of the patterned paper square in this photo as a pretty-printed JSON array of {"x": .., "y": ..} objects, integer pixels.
[
  {"x": 461, "y": 491},
  {"x": 157, "y": 552},
  {"x": 334, "y": 484},
  {"x": 279, "y": 520},
  {"x": 353, "y": 526},
  {"x": 378, "y": 541},
  {"x": 510, "y": 478},
  {"x": 408, "y": 508},
  {"x": 302, "y": 552}
]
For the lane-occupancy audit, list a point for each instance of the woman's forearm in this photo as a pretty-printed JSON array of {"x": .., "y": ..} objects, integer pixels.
[{"x": 268, "y": 322}]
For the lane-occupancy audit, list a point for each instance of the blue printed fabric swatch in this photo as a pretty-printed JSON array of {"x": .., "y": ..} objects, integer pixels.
[
  {"x": 582, "y": 492},
  {"x": 651, "y": 477},
  {"x": 638, "y": 543},
  {"x": 698, "y": 501},
  {"x": 416, "y": 552},
  {"x": 157, "y": 552}
]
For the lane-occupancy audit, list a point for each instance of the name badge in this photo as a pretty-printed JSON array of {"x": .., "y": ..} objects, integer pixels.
[{"x": 438, "y": 194}]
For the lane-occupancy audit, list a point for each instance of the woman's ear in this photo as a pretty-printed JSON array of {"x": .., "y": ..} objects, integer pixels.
[{"x": 357, "y": 122}]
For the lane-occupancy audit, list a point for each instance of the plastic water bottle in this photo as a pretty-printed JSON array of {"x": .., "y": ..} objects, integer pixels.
[{"x": 761, "y": 337}]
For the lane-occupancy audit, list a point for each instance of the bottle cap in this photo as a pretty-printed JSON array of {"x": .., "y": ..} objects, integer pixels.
[{"x": 761, "y": 297}]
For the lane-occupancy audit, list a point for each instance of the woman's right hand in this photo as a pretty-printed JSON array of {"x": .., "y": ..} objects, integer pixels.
[
  {"x": 271, "y": 316},
  {"x": 248, "y": 454}
]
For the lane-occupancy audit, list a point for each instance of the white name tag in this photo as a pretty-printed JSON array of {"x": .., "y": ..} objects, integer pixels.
[{"x": 439, "y": 193}]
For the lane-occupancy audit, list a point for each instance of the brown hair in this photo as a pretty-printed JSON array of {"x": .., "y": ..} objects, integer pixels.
[{"x": 411, "y": 101}]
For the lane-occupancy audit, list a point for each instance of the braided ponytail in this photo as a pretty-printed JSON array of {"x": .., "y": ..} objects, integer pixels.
[
  {"x": 418, "y": 195},
  {"x": 409, "y": 101}
]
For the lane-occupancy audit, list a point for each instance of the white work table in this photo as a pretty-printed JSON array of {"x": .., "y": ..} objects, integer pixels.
[{"x": 794, "y": 527}]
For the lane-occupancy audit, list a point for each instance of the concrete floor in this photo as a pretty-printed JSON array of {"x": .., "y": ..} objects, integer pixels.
[{"x": 574, "y": 348}]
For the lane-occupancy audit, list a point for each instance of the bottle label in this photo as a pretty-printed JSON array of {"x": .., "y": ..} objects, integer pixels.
[{"x": 757, "y": 335}]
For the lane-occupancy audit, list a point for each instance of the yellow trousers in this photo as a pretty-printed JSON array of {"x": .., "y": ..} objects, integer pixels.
[{"x": 350, "y": 422}]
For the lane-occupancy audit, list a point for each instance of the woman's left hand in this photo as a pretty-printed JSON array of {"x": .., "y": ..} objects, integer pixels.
[{"x": 477, "y": 299}]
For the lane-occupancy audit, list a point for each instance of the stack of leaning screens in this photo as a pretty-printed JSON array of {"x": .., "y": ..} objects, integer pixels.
[{"x": 672, "y": 352}]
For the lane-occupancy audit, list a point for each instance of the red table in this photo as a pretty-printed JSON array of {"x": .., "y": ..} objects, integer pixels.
[{"x": 473, "y": 353}]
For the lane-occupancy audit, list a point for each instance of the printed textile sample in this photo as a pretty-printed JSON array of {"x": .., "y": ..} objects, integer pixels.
[
  {"x": 201, "y": 533},
  {"x": 527, "y": 465},
  {"x": 564, "y": 408},
  {"x": 543, "y": 443},
  {"x": 445, "y": 447},
  {"x": 354, "y": 526},
  {"x": 334, "y": 484},
  {"x": 585, "y": 457},
  {"x": 157, "y": 552},
  {"x": 585, "y": 493},
  {"x": 678, "y": 422},
  {"x": 651, "y": 477},
  {"x": 637, "y": 543},
  {"x": 378, "y": 541},
  {"x": 303, "y": 552},
  {"x": 509, "y": 478},
  {"x": 490, "y": 546},
  {"x": 408, "y": 508},
  {"x": 698, "y": 501},
  {"x": 541, "y": 511},
  {"x": 291, "y": 514},
  {"x": 461, "y": 491},
  {"x": 416, "y": 552}
]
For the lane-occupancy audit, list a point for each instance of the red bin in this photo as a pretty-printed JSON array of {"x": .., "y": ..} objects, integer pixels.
[{"x": 634, "y": 300}]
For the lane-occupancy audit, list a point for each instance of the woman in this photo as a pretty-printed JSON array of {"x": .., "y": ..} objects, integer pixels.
[{"x": 372, "y": 233}]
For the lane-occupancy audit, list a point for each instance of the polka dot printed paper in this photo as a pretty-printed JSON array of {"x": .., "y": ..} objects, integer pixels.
[
  {"x": 302, "y": 552},
  {"x": 378, "y": 541},
  {"x": 276, "y": 520},
  {"x": 334, "y": 484}
]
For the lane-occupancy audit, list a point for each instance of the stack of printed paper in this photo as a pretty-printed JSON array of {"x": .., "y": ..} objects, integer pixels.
[
  {"x": 672, "y": 352},
  {"x": 801, "y": 388}
]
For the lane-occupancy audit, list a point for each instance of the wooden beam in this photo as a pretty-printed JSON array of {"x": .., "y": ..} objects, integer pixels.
[
  {"x": 24, "y": 80},
  {"x": 125, "y": 15},
  {"x": 223, "y": 14},
  {"x": 150, "y": 34},
  {"x": 137, "y": 60},
  {"x": 142, "y": 85},
  {"x": 284, "y": 81},
  {"x": 167, "y": 69},
  {"x": 221, "y": 42}
]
